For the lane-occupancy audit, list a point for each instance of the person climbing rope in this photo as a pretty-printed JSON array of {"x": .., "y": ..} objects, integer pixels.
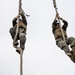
[
  {"x": 21, "y": 31},
  {"x": 58, "y": 34}
]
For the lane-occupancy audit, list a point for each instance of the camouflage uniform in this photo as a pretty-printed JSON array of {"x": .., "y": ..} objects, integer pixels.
[
  {"x": 58, "y": 35},
  {"x": 21, "y": 32},
  {"x": 71, "y": 41}
]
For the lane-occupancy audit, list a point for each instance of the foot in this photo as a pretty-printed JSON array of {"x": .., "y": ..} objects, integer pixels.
[
  {"x": 16, "y": 43},
  {"x": 18, "y": 51},
  {"x": 69, "y": 54}
]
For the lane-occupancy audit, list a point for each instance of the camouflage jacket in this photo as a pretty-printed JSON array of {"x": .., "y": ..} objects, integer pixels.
[
  {"x": 22, "y": 24},
  {"x": 57, "y": 31}
]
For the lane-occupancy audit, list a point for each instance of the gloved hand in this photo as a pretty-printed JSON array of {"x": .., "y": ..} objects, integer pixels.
[{"x": 17, "y": 16}]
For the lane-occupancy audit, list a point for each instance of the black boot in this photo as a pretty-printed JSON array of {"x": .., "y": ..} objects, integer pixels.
[
  {"x": 16, "y": 43},
  {"x": 18, "y": 51}
]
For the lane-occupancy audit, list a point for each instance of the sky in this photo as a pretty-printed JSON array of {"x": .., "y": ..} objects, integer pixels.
[{"x": 41, "y": 55}]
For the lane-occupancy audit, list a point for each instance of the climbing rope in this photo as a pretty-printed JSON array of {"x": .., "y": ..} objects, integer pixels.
[
  {"x": 54, "y": 3},
  {"x": 21, "y": 63}
]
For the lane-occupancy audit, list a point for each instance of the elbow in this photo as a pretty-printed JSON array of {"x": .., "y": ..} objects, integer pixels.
[
  {"x": 15, "y": 19},
  {"x": 66, "y": 23}
]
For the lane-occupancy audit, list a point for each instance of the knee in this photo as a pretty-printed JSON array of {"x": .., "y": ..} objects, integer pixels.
[
  {"x": 71, "y": 39},
  {"x": 21, "y": 35}
]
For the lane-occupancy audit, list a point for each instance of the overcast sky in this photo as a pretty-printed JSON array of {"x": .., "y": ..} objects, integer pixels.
[{"x": 41, "y": 55}]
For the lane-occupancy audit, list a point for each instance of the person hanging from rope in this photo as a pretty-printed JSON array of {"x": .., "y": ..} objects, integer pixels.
[
  {"x": 21, "y": 31},
  {"x": 58, "y": 35}
]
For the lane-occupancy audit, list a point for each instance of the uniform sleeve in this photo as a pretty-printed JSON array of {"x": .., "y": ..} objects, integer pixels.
[
  {"x": 24, "y": 19},
  {"x": 65, "y": 25},
  {"x": 14, "y": 22},
  {"x": 54, "y": 25}
]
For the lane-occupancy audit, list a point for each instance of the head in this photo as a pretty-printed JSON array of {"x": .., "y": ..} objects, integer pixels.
[{"x": 57, "y": 25}]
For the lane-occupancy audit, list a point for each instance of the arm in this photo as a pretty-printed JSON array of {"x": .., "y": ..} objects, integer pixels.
[
  {"x": 14, "y": 21},
  {"x": 24, "y": 19},
  {"x": 65, "y": 24},
  {"x": 54, "y": 25},
  {"x": 55, "y": 20}
]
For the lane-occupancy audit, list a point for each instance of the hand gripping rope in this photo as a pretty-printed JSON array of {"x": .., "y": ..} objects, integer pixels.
[
  {"x": 20, "y": 4},
  {"x": 54, "y": 3}
]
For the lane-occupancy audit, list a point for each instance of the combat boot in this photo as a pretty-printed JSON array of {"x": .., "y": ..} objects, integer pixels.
[
  {"x": 18, "y": 51},
  {"x": 16, "y": 43},
  {"x": 69, "y": 54}
]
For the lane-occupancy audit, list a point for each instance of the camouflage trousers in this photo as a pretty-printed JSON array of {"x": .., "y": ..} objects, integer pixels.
[
  {"x": 22, "y": 38},
  {"x": 71, "y": 41},
  {"x": 62, "y": 45}
]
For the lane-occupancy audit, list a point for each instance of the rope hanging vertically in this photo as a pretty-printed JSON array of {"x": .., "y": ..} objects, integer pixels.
[
  {"x": 21, "y": 61},
  {"x": 54, "y": 3},
  {"x": 17, "y": 28}
]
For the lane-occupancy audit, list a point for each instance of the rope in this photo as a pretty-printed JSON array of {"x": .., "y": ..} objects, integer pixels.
[
  {"x": 21, "y": 63},
  {"x": 54, "y": 3},
  {"x": 17, "y": 24}
]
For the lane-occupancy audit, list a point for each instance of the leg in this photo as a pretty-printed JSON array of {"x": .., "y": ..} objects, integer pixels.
[
  {"x": 62, "y": 45},
  {"x": 22, "y": 40},
  {"x": 12, "y": 33},
  {"x": 71, "y": 41},
  {"x": 73, "y": 57}
]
